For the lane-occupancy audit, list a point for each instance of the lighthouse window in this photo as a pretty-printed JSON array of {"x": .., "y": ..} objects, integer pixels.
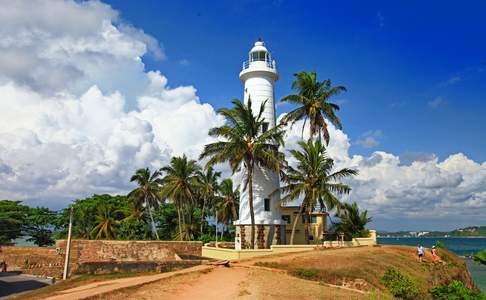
[
  {"x": 258, "y": 56},
  {"x": 266, "y": 204},
  {"x": 264, "y": 127},
  {"x": 286, "y": 218}
]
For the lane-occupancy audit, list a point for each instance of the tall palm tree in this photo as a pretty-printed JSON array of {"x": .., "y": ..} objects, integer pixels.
[
  {"x": 228, "y": 202},
  {"x": 352, "y": 222},
  {"x": 208, "y": 186},
  {"x": 313, "y": 179},
  {"x": 147, "y": 193},
  {"x": 244, "y": 144},
  {"x": 106, "y": 217},
  {"x": 179, "y": 186},
  {"x": 313, "y": 104}
]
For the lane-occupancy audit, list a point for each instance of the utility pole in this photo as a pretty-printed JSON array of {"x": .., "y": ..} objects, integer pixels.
[
  {"x": 216, "y": 228},
  {"x": 68, "y": 245}
]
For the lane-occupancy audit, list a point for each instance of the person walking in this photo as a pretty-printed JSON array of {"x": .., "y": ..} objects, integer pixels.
[
  {"x": 435, "y": 257},
  {"x": 420, "y": 252}
]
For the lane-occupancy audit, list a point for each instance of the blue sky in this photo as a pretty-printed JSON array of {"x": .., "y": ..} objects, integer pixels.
[
  {"x": 91, "y": 91},
  {"x": 415, "y": 73}
]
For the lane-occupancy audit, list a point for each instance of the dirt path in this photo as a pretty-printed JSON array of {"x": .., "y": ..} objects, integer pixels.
[
  {"x": 97, "y": 288},
  {"x": 233, "y": 283},
  {"x": 219, "y": 283}
]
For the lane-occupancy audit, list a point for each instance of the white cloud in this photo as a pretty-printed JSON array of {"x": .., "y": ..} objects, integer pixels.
[
  {"x": 78, "y": 113},
  {"x": 453, "y": 190},
  {"x": 370, "y": 139}
]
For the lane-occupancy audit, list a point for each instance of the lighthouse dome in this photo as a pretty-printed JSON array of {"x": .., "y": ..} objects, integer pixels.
[
  {"x": 259, "y": 46},
  {"x": 259, "y": 52}
]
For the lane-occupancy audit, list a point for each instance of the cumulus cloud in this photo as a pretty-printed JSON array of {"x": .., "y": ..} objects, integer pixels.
[
  {"x": 423, "y": 190},
  {"x": 78, "y": 112}
]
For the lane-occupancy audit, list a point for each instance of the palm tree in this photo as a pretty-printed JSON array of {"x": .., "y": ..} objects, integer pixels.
[
  {"x": 208, "y": 186},
  {"x": 352, "y": 222},
  {"x": 179, "y": 186},
  {"x": 313, "y": 104},
  {"x": 228, "y": 202},
  {"x": 147, "y": 192},
  {"x": 106, "y": 217},
  {"x": 313, "y": 180},
  {"x": 244, "y": 143}
]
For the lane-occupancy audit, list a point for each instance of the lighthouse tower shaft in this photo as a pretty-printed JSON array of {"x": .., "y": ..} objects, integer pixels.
[{"x": 259, "y": 75}]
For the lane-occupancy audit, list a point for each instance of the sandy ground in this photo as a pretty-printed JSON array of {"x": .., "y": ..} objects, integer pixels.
[
  {"x": 244, "y": 280},
  {"x": 96, "y": 288},
  {"x": 234, "y": 283}
]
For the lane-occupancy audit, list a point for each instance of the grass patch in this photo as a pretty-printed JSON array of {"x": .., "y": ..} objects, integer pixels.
[
  {"x": 309, "y": 274},
  {"x": 400, "y": 285}
]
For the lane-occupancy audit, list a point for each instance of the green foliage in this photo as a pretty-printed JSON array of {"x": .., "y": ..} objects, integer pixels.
[
  {"x": 352, "y": 222},
  {"x": 180, "y": 186},
  {"x": 399, "y": 285},
  {"x": 440, "y": 244},
  {"x": 313, "y": 104},
  {"x": 39, "y": 224},
  {"x": 207, "y": 188},
  {"x": 314, "y": 179},
  {"x": 228, "y": 202},
  {"x": 166, "y": 217},
  {"x": 12, "y": 217},
  {"x": 243, "y": 142},
  {"x": 480, "y": 257},
  {"x": 147, "y": 194},
  {"x": 131, "y": 229},
  {"x": 455, "y": 291},
  {"x": 107, "y": 220},
  {"x": 88, "y": 213},
  {"x": 309, "y": 274}
]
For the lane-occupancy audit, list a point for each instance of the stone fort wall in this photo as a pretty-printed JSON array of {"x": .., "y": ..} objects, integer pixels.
[{"x": 50, "y": 261}]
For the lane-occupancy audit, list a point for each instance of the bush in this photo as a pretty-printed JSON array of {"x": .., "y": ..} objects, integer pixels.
[
  {"x": 399, "y": 285},
  {"x": 303, "y": 273},
  {"x": 440, "y": 244},
  {"x": 480, "y": 257},
  {"x": 455, "y": 291}
]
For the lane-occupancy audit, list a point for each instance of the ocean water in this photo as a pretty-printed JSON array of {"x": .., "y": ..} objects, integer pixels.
[{"x": 460, "y": 246}]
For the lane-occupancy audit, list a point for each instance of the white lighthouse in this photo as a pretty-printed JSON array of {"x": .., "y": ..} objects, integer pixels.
[{"x": 259, "y": 74}]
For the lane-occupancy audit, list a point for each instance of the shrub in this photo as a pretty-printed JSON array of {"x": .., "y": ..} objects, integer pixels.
[
  {"x": 480, "y": 257},
  {"x": 303, "y": 273},
  {"x": 455, "y": 290},
  {"x": 399, "y": 285},
  {"x": 440, "y": 244}
]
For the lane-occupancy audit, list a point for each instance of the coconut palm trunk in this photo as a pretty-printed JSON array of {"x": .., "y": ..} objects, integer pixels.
[
  {"x": 179, "y": 221},
  {"x": 250, "y": 201},
  {"x": 294, "y": 225},
  {"x": 201, "y": 228},
  {"x": 154, "y": 229},
  {"x": 306, "y": 226}
]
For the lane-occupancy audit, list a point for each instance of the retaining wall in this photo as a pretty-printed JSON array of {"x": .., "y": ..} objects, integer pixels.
[
  {"x": 50, "y": 262},
  {"x": 108, "y": 250},
  {"x": 33, "y": 260},
  {"x": 232, "y": 254}
]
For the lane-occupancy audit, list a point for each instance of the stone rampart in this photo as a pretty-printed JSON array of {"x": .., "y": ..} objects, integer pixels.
[
  {"x": 50, "y": 261},
  {"x": 33, "y": 260}
]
